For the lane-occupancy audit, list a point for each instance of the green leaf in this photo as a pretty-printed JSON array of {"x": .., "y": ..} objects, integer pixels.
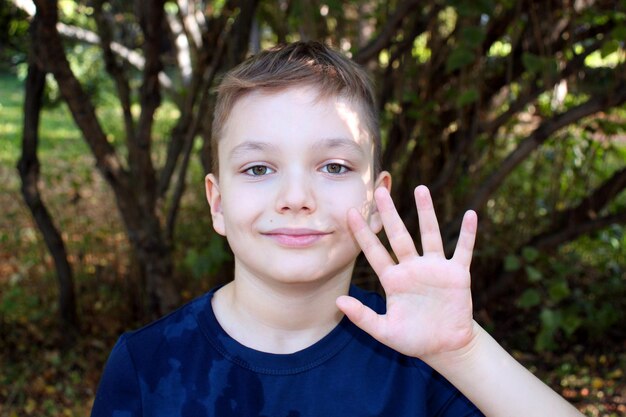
[
  {"x": 571, "y": 322},
  {"x": 550, "y": 319},
  {"x": 410, "y": 96},
  {"x": 532, "y": 62},
  {"x": 562, "y": 268},
  {"x": 609, "y": 47},
  {"x": 485, "y": 6},
  {"x": 539, "y": 64},
  {"x": 208, "y": 260},
  {"x": 512, "y": 263},
  {"x": 545, "y": 341},
  {"x": 550, "y": 323},
  {"x": 464, "y": 8},
  {"x": 467, "y": 97},
  {"x": 473, "y": 8},
  {"x": 529, "y": 298},
  {"x": 530, "y": 254},
  {"x": 459, "y": 58},
  {"x": 533, "y": 274},
  {"x": 558, "y": 290},
  {"x": 619, "y": 32},
  {"x": 472, "y": 36}
]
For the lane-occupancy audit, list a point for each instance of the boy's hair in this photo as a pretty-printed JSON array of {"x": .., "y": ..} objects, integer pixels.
[{"x": 297, "y": 64}]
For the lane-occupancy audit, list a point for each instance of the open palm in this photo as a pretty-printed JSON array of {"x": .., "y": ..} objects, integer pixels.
[{"x": 429, "y": 302}]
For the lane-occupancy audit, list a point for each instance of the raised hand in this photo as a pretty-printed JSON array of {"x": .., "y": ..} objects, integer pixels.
[{"x": 429, "y": 302}]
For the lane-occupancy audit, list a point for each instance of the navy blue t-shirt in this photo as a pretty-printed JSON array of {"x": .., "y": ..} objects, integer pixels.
[{"x": 185, "y": 365}]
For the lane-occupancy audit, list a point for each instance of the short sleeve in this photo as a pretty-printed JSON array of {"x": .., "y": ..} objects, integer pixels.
[
  {"x": 443, "y": 399},
  {"x": 118, "y": 393}
]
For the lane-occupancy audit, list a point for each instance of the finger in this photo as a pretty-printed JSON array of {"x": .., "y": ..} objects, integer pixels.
[
  {"x": 467, "y": 237},
  {"x": 399, "y": 238},
  {"x": 363, "y": 317},
  {"x": 429, "y": 227},
  {"x": 374, "y": 251}
]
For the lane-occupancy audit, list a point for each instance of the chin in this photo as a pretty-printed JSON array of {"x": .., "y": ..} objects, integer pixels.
[
  {"x": 299, "y": 277},
  {"x": 307, "y": 275}
]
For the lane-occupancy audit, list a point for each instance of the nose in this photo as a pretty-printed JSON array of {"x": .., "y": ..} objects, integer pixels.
[{"x": 295, "y": 194}]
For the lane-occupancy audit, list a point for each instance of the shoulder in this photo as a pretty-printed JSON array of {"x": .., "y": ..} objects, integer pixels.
[{"x": 171, "y": 330}]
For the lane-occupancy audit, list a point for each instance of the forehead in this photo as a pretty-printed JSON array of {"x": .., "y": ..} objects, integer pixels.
[
  {"x": 295, "y": 111},
  {"x": 295, "y": 116}
]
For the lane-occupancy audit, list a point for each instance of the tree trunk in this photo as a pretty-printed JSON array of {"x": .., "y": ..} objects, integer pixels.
[
  {"x": 135, "y": 190},
  {"x": 155, "y": 258},
  {"x": 28, "y": 167}
]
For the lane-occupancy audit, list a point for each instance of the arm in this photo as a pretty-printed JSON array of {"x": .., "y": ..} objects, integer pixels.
[
  {"x": 429, "y": 313},
  {"x": 496, "y": 383}
]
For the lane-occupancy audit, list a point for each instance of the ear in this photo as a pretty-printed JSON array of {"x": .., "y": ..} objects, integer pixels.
[
  {"x": 214, "y": 197},
  {"x": 375, "y": 222}
]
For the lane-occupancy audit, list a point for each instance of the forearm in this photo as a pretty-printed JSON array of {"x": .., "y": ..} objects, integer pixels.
[{"x": 496, "y": 383}]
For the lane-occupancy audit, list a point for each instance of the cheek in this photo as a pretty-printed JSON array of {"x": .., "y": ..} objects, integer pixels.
[
  {"x": 240, "y": 210},
  {"x": 361, "y": 197},
  {"x": 343, "y": 198}
]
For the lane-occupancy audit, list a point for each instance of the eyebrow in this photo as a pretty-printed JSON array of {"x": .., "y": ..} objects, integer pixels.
[
  {"x": 329, "y": 143},
  {"x": 248, "y": 146},
  {"x": 339, "y": 143}
]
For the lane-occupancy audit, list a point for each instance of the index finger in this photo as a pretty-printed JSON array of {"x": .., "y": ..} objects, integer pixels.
[
  {"x": 467, "y": 237},
  {"x": 399, "y": 238}
]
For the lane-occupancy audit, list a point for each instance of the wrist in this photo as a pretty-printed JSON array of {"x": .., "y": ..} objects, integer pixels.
[{"x": 461, "y": 358}]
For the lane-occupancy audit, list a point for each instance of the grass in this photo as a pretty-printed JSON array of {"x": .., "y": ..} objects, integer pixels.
[
  {"x": 42, "y": 376},
  {"x": 37, "y": 377}
]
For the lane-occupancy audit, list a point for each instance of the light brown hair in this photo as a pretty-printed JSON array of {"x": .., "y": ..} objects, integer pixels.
[{"x": 297, "y": 64}]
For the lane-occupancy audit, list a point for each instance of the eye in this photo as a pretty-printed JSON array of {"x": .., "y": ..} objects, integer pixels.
[
  {"x": 258, "y": 170},
  {"x": 335, "y": 168}
]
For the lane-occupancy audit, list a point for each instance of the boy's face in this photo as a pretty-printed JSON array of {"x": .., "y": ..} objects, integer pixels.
[{"x": 290, "y": 167}]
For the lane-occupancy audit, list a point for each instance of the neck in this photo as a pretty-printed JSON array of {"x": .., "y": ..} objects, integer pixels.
[{"x": 279, "y": 317}]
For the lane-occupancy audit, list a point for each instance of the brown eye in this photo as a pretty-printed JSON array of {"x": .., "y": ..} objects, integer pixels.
[
  {"x": 334, "y": 168},
  {"x": 258, "y": 170}
]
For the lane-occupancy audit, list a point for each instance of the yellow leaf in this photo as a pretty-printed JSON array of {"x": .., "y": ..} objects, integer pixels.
[
  {"x": 597, "y": 383},
  {"x": 30, "y": 406}
]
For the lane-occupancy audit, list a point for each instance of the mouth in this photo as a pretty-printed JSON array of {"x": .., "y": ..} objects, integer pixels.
[{"x": 295, "y": 238}]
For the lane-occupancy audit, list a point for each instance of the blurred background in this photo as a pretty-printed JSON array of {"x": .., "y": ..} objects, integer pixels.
[{"x": 514, "y": 108}]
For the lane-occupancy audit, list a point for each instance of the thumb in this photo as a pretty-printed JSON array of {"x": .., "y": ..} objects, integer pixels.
[{"x": 363, "y": 317}]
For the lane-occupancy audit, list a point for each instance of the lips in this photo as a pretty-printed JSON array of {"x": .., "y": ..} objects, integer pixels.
[{"x": 295, "y": 238}]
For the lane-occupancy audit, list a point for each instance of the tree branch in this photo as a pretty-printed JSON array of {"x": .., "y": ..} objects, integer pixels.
[
  {"x": 583, "y": 218},
  {"x": 182, "y": 46},
  {"x": 116, "y": 71},
  {"x": 199, "y": 83},
  {"x": 192, "y": 131},
  {"x": 151, "y": 19},
  {"x": 568, "y": 225},
  {"x": 491, "y": 127},
  {"x": 383, "y": 40},
  {"x": 187, "y": 13},
  {"x": 128, "y": 55},
  {"x": 595, "y": 104},
  {"x": 28, "y": 167},
  {"x": 54, "y": 60}
]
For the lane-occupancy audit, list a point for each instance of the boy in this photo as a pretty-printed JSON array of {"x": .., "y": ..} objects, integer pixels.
[{"x": 297, "y": 191}]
